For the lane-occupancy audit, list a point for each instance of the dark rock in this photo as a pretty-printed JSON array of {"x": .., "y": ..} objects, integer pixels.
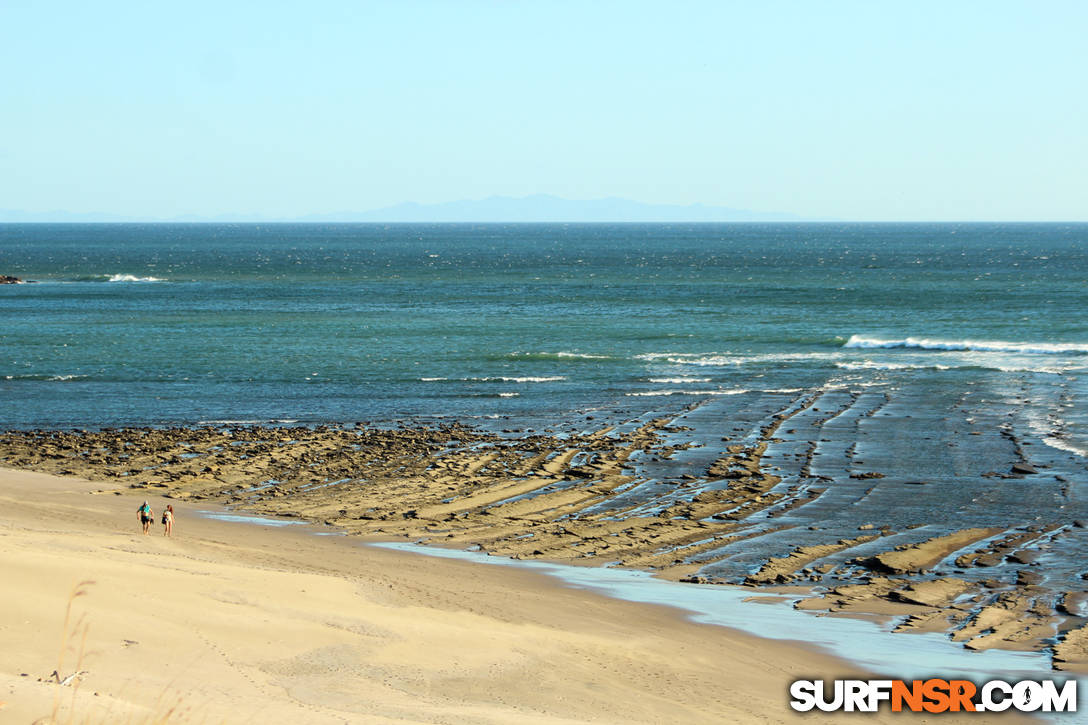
[
  {"x": 1026, "y": 578},
  {"x": 1023, "y": 468},
  {"x": 1027, "y": 556}
]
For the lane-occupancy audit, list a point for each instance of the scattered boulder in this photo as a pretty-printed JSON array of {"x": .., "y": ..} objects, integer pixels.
[{"x": 1024, "y": 469}]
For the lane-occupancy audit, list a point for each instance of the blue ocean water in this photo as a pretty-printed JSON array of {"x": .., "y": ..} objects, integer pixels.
[{"x": 154, "y": 324}]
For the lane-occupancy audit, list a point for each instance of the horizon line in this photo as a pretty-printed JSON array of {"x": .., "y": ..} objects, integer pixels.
[{"x": 552, "y": 221}]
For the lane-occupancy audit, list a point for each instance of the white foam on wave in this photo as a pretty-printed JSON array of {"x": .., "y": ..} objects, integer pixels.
[
  {"x": 874, "y": 365},
  {"x": 48, "y": 378},
  {"x": 676, "y": 381},
  {"x": 561, "y": 355},
  {"x": 133, "y": 278},
  {"x": 509, "y": 395},
  {"x": 916, "y": 343},
  {"x": 1064, "y": 445},
  {"x": 649, "y": 393},
  {"x": 503, "y": 379},
  {"x": 246, "y": 421},
  {"x": 852, "y": 382},
  {"x": 582, "y": 355},
  {"x": 526, "y": 379},
  {"x": 724, "y": 359},
  {"x": 1051, "y": 431},
  {"x": 1049, "y": 369},
  {"x": 871, "y": 365}
]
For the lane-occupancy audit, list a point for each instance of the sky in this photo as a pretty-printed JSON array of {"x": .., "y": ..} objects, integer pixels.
[{"x": 906, "y": 111}]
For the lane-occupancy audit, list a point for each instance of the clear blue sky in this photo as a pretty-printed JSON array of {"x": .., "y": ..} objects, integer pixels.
[{"x": 852, "y": 110}]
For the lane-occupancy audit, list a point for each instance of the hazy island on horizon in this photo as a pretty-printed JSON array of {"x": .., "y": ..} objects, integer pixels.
[{"x": 544, "y": 208}]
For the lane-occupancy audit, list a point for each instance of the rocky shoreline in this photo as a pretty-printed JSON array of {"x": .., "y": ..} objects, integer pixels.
[{"x": 526, "y": 494}]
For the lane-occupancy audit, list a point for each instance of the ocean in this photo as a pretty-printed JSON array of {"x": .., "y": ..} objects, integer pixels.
[
  {"x": 934, "y": 355},
  {"x": 179, "y": 324}
]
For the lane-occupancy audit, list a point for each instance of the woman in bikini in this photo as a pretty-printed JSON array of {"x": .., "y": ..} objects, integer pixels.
[{"x": 168, "y": 521}]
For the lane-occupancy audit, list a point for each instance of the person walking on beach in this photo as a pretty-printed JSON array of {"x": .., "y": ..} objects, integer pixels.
[
  {"x": 168, "y": 521},
  {"x": 146, "y": 517}
]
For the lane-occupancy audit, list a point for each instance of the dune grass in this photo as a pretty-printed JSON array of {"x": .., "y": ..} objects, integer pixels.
[{"x": 74, "y": 633}]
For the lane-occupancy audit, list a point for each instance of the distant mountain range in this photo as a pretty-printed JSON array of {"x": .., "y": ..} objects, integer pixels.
[
  {"x": 548, "y": 208},
  {"x": 535, "y": 208},
  {"x": 17, "y": 216}
]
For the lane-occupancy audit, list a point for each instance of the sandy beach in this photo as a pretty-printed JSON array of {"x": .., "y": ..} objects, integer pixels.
[{"x": 238, "y": 623}]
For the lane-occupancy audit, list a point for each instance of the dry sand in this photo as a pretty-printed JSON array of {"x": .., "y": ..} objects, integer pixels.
[{"x": 239, "y": 623}]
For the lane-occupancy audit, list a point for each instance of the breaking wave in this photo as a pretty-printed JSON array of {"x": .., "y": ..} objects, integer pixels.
[
  {"x": 247, "y": 421},
  {"x": 502, "y": 379},
  {"x": 562, "y": 355},
  {"x": 648, "y": 393},
  {"x": 721, "y": 359},
  {"x": 46, "y": 378},
  {"x": 915, "y": 343},
  {"x": 870, "y": 365},
  {"x": 133, "y": 278},
  {"x": 527, "y": 379}
]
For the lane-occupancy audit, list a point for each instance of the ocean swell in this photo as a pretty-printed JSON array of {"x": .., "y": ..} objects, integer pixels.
[
  {"x": 502, "y": 379},
  {"x": 562, "y": 355},
  {"x": 915, "y": 343},
  {"x": 652, "y": 393}
]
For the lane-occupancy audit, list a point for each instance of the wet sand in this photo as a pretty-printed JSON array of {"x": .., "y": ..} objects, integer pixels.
[
  {"x": 237, "y": 623},
  {"x": 764, "y": 506}
]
